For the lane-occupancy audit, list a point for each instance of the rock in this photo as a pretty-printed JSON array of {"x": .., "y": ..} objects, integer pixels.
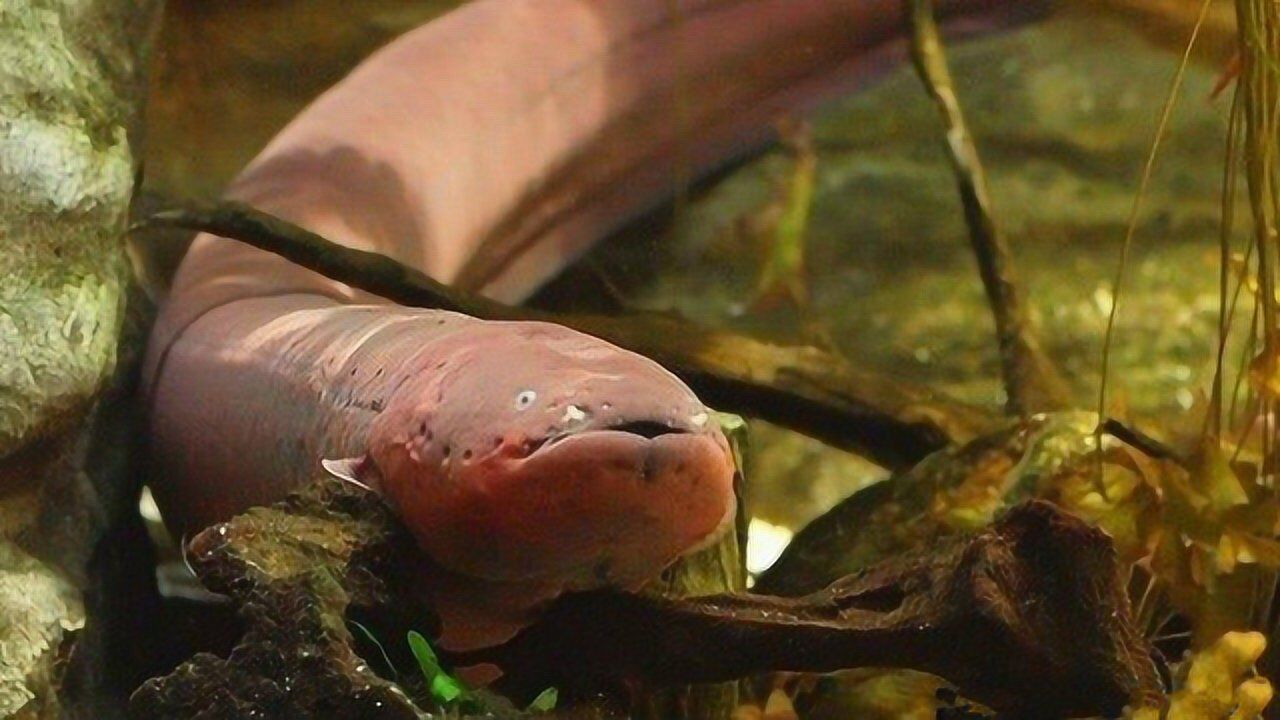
[
  {"x": 292, "y": 569},
  {"x": 39, "y": 608},
  {"x": 70, "y": 92}
]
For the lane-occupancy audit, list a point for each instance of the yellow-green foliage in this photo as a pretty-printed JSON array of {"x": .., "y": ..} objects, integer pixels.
[
  {"x": 1217, "y": 683},
  {"x": 1204, "y": 529},
  {"x": 901, "y": 695}
]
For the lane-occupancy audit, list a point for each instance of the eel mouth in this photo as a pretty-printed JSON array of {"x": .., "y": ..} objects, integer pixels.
[
  {"x": 645, "y": 429},
  {"x": 611, "y": 503},
  {"x": 648, "y": 429}
]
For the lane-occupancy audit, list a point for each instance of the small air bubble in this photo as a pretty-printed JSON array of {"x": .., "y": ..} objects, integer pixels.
[{"x": 525, "y": 398}]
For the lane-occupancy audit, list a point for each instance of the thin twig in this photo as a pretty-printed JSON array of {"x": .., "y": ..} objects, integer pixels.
[
  {"x": 1031, "y": 381},
  {"x": 890, "y": 421},
  {"x": 1141, "y": 441},
  {"x": 1131, "y": 228},
  {"x": 1259, "y": 37},
  {"x": 1226, "y": 308}
]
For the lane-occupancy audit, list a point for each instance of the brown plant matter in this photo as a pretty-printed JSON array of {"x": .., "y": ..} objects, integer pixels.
[{"x": 1027, "y": 616}]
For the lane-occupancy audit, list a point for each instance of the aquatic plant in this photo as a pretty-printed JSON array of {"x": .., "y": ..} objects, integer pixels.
[
  {"x": 1218, "y": 682},
  {"x": 1202, "y": 523}
]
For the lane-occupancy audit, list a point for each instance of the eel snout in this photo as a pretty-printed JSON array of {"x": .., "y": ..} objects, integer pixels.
[
  {"x": 539, "y": 460},
  {"x": 610, "y": 505}
]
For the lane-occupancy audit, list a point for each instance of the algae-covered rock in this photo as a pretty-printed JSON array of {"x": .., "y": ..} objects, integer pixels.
[
  {"x": 952, "y": 491},
  {"x": 293, "y": 569},
  {"x": 38, "y": 608},
  {"x": 70, "y": 92},
  {"x": 69, "y": 86},
  {"x": 300, "y": 572}
]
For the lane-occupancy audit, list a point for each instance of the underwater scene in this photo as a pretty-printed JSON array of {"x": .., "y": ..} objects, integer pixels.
[{"x": 688, "y": 359}]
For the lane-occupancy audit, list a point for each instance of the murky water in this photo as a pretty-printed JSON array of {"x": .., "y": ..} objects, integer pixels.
[{"x": 1064, "y": 113}]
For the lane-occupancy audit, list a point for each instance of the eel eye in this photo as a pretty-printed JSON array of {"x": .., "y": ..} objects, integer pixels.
[{"x": 525, "y": 399}]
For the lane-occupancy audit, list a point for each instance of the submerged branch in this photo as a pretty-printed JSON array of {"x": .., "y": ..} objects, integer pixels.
[
  {"x": 1028, "y": 617},
  {"x": 1031, "y": 381},
  {"x": 892, "y": 422}
]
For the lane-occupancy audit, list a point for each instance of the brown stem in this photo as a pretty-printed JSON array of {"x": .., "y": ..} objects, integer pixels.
[
  {"x": 1031, "y": 381},
  {"x": 1028, "y": 617},
  {"x": 890, "y": 421}
]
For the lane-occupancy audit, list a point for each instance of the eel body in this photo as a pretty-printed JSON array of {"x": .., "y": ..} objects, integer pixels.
[{"x": 488, "y": 148}]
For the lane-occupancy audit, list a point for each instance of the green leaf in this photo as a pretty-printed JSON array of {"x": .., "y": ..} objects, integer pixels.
[
  {"x": 443, "y": 687},
  {"x": 545, "y": 702},
  {"x": 423, "y": 653}
]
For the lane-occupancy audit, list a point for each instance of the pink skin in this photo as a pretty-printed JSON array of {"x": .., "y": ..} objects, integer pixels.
[
  {"x": 488, "y": 148},
  {"x": 580, "y": 466},
  {"x": 484, "y": 458}
]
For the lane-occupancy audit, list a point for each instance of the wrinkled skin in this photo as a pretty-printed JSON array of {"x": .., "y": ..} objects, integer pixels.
[{"x": 489, "y": 149}]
